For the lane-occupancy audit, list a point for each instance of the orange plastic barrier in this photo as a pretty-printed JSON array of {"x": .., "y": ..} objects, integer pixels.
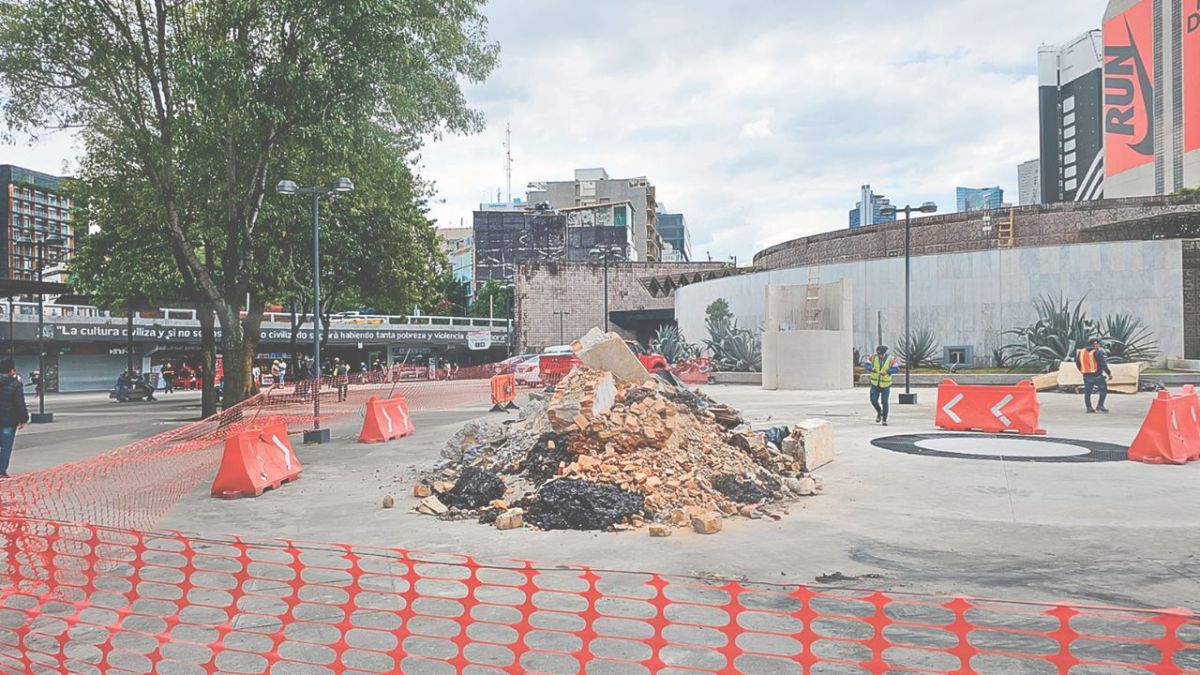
[
  {"x": 1170, "y": 434},
  {"x": 256, "y": 458},
  {"x": 990, "y": 409},
  {"x": 386, "y": 419},
  {"x": 504, "y": 392}
]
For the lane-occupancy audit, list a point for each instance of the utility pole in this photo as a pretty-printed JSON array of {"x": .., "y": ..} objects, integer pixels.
[{"x": 508, "y": 161}]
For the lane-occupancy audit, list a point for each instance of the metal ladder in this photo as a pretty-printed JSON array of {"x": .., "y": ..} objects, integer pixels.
[
  {"x": 812, "y": 300},
  {"x": 1005, "y": 231}
]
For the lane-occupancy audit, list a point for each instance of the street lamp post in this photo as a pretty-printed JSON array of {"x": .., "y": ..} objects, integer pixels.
[
  {"x": 287, "y": 187},
  {"x": 40, "y": 245},
  {"x": 605, "y": 254},
  {"x": 908, "y": 398}
]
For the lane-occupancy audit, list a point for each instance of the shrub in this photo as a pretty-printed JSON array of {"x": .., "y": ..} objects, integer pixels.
[
  {"x": 925, "y": 349},
  {"x": 669, "y": 341},
  {"x": 1062, "y": 329}
]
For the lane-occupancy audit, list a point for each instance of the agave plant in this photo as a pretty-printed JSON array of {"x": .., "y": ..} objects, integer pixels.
[
  {"x": 734, "y": 349},
  {"x": 1126, "y": 339},
  {"x": 1060, "y": 331},
  {"x": 923, "y": 351},
  {"x": 669, "y": 341}
]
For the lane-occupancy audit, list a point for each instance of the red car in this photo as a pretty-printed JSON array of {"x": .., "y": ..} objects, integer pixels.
[{"x": 556, "y": 362}]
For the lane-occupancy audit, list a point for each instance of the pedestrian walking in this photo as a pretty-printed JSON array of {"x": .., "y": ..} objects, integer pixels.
[
  {"x": 168, "y": 375},
  {"x": 1093, "y": 363},
  {"x": 13, "y": 413},
  {"x": 341, "y": 378},
  {"x": 256, "y": 375},
  {"x": 882, "y": 366},
  {"x": 282, "y": 371}
]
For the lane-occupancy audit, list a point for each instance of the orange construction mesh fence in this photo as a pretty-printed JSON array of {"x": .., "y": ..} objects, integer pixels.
[
  {"x": 135, "y": 485},
  {"x": 89, "y": 599}
]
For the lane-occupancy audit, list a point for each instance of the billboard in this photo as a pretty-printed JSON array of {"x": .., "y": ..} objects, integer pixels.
[
  {"x": 1129, "y": 88},
  {"x": 1191, "y": 74}
]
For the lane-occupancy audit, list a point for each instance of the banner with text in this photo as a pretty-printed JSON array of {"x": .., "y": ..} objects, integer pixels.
[{"x": 1129, "y": 89}]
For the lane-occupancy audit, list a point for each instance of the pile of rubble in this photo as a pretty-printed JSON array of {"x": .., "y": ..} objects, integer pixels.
[{"x": 617, "y": 448}]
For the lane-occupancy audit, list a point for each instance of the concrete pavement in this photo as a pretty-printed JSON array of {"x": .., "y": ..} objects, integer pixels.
[{"x": 1109, "y": 532}]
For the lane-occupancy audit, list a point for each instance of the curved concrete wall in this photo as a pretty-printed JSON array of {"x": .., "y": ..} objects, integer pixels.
[{"x": 971, "y": 298}]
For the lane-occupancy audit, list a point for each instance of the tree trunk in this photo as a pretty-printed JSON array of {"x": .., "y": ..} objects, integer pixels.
[
  {"x": 251, "y": 332},
  {"x": 208, "y": 395}
]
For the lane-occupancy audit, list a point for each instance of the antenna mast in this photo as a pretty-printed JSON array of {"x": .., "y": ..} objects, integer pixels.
[{"x": 508, "y": 160}]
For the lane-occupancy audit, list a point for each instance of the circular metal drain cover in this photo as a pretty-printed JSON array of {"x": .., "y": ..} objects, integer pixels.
[{"x": 1004, "y": 447}]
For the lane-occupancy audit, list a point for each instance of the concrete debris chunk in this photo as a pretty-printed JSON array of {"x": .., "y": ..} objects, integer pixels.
[
  {"x": 388, "y": 501},
  {"x": 660, "y": 530},
  {"x": 607, "y": 351},
  {"x": 814, "y": 444},
  {"x": 511, "y": 519},
  {"x": 432, "y": 506},
  {"x": 707, "y": 523}
]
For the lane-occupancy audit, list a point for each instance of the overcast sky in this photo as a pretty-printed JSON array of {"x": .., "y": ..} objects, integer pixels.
[{"x": 759, "y": 121}]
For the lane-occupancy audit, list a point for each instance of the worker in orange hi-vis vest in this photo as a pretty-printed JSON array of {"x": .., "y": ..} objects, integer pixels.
[{"x": 1092, "y": 362}]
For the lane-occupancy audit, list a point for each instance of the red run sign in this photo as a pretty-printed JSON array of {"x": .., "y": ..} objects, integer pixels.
[
  {"x": 1191, "y": 74},
  {"x": 1129, "y": 89}
]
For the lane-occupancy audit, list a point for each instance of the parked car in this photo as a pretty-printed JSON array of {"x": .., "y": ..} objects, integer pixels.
[
  {"x": 555, "y": 362},
  {"x": 528, "y": 372},
  {"x": 510, "y": 364},
  {"x": 651, "y": 360}
]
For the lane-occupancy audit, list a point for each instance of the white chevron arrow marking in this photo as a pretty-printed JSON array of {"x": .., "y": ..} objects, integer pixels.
[
  {"x": 996, "y": 410},
  {"x": 287, "y": 456},
  {"x": 383, "y": 411},
  {"x": 949, "y": 409},
  {"x": 404, "y": 416}
]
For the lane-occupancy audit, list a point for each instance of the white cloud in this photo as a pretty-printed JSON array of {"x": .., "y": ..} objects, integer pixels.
[{"x": 758, "y": 129}]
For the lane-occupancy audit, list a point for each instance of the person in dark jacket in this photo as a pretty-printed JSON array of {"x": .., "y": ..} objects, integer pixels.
[
  {"x": 1092, "y": 362},
  {"x": 13, "y": 413}
]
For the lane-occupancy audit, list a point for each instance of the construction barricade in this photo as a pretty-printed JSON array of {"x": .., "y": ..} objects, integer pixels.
[
  {"x": 1170, "y": 434},
  {"x": 504, "y": 392},
  {"x": 257, "y": 458},
  {"x": 385, "y": 419},
  {"x": 989, "y": 409},
  {"x": 79, "y": 598}
]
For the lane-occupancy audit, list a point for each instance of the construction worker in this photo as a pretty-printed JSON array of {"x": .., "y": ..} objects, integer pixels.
[
  {"x": 1092, "y": 362},
  {"x": 882, "y": 366}
]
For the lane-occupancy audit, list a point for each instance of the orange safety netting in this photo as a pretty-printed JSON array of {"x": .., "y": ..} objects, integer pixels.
[
  {"x": 83, "y": 598},
  {"x": 135, "y": 485}
]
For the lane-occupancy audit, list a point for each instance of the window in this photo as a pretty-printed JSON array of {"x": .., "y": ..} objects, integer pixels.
[{"x": 621, "y": 216}]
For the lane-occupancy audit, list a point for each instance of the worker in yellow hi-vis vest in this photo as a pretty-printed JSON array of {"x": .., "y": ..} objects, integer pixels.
[
  {"x": 1093, "y": 363},
  {"x": 882, "y": 366}
]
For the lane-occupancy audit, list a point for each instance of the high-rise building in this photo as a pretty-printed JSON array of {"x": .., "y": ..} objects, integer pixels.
[
  {"x": 505, "y": 239},
  {"x": 34, "y": 208},
  {"x": 980, "y": 199},
  {"x": 1151, "y": 96},
  {"x": 594, "y": 186},
  {"x": 867, "y": 211},
  {"x": 1070, "y": 87},
  {"x": 459, "y": 245},
  {"x": 1029, "y": 182},
  {"x": 673, "y": 229}
]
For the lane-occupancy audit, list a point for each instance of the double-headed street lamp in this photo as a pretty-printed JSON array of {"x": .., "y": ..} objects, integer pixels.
[
  {"x": 40, "y": 245},
  {"x": 908, "y": 398},
  {"x": 287, "y": 187},
  {"x": 605, "y": 254}
]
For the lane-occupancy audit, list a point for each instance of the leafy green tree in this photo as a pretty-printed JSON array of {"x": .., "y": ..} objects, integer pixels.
[
  {"x": 718, "y": 311},
  {"x": 210, "y": 102},
  {"x": 493, "y": 299}
]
